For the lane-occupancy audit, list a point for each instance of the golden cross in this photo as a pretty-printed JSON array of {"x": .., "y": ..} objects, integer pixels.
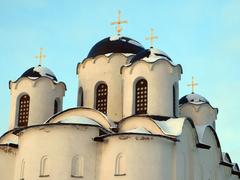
[
  {"x": 151, "y": 37},
  {"x": 193, "y": 84},
  {"x": 119, "y": 22},
  {"x": 40, "y": 56}
]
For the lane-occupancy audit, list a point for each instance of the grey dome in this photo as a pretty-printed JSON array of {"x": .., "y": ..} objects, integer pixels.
[
  {"x": 39, "y": 71},
  {"x": 115, "y": 44}
]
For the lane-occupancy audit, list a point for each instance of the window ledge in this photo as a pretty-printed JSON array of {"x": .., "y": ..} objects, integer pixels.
[
  {"x": 44, "y": 175},
  {"x": 76, "y": 176},
  {"x": 120, "y": 174}
]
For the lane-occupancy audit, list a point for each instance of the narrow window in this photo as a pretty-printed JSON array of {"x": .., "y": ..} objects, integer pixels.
[
  {"x": 56, "y": 106},
  {"x": 44, "y": 167},
  {"x": 120, "y": 169},
  {"x": 101, "y": 98},
  {"x": 80, "y": 96},
  {"x": 22, "y": 170},
  {"x": 141, "y": 97},
  {"x": 174, "y": 101},
  {"x": 77, "y": 167},
  {"x": 23, "y": 113}
]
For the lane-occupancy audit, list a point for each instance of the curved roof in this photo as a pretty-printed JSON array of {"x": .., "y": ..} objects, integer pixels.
[
  {"x": 150, "y": 55},
  {"x": 193, "y": 99},
  {"x": 39, "y": 71},
  {"x": 79, "y": 120},
  {"x": 115, "y": 44}
]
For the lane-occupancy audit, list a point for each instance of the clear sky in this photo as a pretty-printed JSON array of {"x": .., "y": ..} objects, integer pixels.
[{"x": 201, "y": 35}]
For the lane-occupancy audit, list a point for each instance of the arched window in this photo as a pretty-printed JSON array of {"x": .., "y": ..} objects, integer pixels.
[
  {"x": 141, "y": 97},
  {"x": 120, "y": 165},
  {"x": 44, "y": 167},
  {"x": 23, "y": 112},
  {"x": 174, "y": 101},
  {"x": 77, "y": 169},
  {"x": 101, "y": 98},
  {"x": 56, "y": 107}
]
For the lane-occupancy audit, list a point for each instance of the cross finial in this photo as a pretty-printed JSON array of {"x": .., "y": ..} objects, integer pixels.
[
  {"x": 119, "y": 22},
  {"x": 193, "y": 84},
  {"x": 40, "y": 56},
  {"x": 151, "y": 38}
]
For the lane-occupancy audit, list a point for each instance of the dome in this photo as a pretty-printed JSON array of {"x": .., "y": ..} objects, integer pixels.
[
  {"x": 150, "y": 55},
  {"x": 115, "y": 44},
  {"x": 39, "y": 71},
  {"x": 193, "y": 99}
]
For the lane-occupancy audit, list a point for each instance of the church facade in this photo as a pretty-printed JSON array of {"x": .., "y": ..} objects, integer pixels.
[{"x": 129, "y": 123}]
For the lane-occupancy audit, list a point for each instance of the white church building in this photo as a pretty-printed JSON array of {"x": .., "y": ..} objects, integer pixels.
[{"x": 129, "y": 122}]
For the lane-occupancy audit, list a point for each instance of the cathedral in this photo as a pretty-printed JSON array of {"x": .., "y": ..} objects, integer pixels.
[{"x": 129, "y": 122}]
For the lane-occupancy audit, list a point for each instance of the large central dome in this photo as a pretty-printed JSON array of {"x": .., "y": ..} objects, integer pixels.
[{"x": 116, "y": 44}]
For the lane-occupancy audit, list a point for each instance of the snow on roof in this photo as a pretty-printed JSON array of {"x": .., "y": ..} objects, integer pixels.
[
  {"x": 200, "y": 131},
  {"x": 193, "y": 99},
  {"x": 115, "y": 37},
  {"x": 226, "y": 157},
  {"x": 172, "y": 126},
  {"x": 156, "y": 54},
  {"x": 39, "y": 71},
  {"x": 235, "y": 167},
  {"x": 79, "y": 120},
  {"x": 140, "y": 130}
]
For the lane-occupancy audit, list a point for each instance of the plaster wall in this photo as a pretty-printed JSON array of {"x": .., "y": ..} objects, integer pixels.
[
  {"x": 143, "y": 157},
  {"x": 59, "y": 143},
  {"x": 7, "y": 161},
  {"x": 43, "y": 93},
  {"x": 161, "y": 78},
  {"x": 106, "y": 70},
  {"x": 200, "y": 114}
]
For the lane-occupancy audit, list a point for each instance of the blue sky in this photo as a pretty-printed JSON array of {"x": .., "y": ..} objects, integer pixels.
[{"x": 201, "y": 35}]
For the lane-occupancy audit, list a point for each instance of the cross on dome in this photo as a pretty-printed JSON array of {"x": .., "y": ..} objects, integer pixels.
[
  {"x": 40, "y": 56},
  {"x": 151, "y": 38},
  {"x": 193, "y": 84},
  {"x": 119, "y": 22}
]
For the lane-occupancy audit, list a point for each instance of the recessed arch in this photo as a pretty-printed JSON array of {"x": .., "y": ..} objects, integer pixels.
[
  {"x": 77, "y": 169},
  {"x": 44, "y": 167},
  {"x": 120, "y": 165}
]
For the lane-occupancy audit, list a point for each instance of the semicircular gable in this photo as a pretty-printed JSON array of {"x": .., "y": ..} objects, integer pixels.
[
  {"x": 93, "y": 114},
  {"x": 210, "y": 138},
  {"x": 189, "y": 127},
  {"x": 146, "y": 123},
  {"x": 112, "y": 56},
  {"x": 9, "y": 138}
]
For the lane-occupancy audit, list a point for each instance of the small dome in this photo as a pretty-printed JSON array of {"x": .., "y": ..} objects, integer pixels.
[
  {"x": 39, "y": 71},
  {"x": 150, "y": 55},
  {"x": 193, "y": 98},
  {"x": 115, "y": 44}
]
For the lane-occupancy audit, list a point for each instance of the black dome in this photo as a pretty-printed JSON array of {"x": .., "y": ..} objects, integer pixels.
[
  {"x": 39, "y": 71},
  {"x": 115, "y": 44},
  {"x": 193, "y": 98},
  {"x": 150, "y": 55}
]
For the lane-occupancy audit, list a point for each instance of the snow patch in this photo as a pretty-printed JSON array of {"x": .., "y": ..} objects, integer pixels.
[
  {"x": 79, "y": 120},
  {"x": 172, "y": 126},
  {"x": 140, "y": 130},
  {"x": 156, "y": 54},
  {"x": 115, "y": 38},
  {"x": 43, "y": 71},
  {"x": 196, "y": 99},
  {"x": 135, "y": 43}
]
